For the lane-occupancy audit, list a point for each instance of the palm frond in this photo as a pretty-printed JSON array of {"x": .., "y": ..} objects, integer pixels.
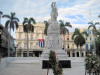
[
  {"x": 94, "y": 28},
  {"x": 90, "y": 26},
  {"x": 76, "y": 33},
  {"x": 1, "y": 12},
  {"x": 67, "y": 31},
  {"x": 7, "y": 23},
  {"x": 15, "y": 18},
  {"x": 85, "y": 33},
  {"x": 12, "y": 25},
  {"x": 25, "y": 22},
  {"x": 32, "y": 20},
  {"x": 6, "y": 16},
  {"x": 97, "y": 23},
  {"x": 16, "y": 24},
  {"x": 12, "y": 14},
  {"x": 32, "y": 28},
  {"x": 99, "y": 16},
  {"x": 91, "y": 23},
  {"x": 25, "y": 19},
  {"x": 61, "y": 21},
  {"x": 68, "y": 24}
]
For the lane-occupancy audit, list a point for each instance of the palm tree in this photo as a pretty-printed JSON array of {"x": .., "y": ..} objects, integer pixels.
[
  {"x": 64, "y": 30},
  {"x": 46, "y": 27},
  {"x": 94, "y": 30},
  {"x": 11, "y": 23},
  {"x": 28, "y": 27},
  {"x": 99, "y": 16},
  {"x": 0, "y": 16},
  {"x": 79, "y": 40}
]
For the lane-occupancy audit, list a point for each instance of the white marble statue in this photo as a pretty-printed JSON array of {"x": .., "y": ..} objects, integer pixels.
[{"x": 54, "y": 12}]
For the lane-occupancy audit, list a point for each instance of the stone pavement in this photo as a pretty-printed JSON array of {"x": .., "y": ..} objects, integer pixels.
[{"x": 35, "y": 69}]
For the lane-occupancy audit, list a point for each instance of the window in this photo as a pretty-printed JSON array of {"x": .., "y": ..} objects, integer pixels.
[
  {"x": 72, "y": 45},
  {"x": 86, "y": 46},
  {"x": 67, "y": 38},
  {"x": 68, "y": 46},
  {"x": 86, "y": 38},
  {"x": 90, "y": 46}
]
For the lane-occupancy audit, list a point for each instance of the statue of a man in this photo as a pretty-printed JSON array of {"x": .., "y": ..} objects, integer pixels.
[{"x": 54, "y": 12}]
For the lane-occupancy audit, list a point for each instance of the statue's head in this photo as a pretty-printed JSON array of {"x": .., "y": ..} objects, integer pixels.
[{"x": 54, "y": 3}]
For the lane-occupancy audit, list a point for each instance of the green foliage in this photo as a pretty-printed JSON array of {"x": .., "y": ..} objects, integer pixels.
[
  {"x": 56, "y": 67},
  {"x": 92, "y": 63},
  {"x": 78, "y": 38},
  {"x": 93, "y": 26},
  {"x": 98, "y": 46},
  {"x": 63, "y": 29},
  {"x": 27, "y": 24},
  {"x": 1, "y": 12},
  {"x": 12, "y": 22}
]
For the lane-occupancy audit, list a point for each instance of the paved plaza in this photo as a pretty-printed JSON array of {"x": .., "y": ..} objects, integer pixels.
[{"x": 33, "y": 67}]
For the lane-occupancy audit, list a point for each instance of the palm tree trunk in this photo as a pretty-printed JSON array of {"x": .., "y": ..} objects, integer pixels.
[
  {"x": 27, "y": 45},
  {"x": 94, "y": 43},
  {"x": 64, "y": 43},
  {"x": 9, "y": 42},
  {"x": 80, "y": 52}
]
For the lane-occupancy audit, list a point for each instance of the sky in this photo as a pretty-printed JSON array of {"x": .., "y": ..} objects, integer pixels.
[{"x": 77, "y": 12}]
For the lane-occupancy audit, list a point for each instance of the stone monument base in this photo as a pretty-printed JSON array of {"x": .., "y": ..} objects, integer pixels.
[{"x": 61, "y": 55}]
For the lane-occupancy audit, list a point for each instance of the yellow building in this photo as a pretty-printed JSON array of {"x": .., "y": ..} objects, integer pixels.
[
  {"x": 35, "y": 45},
  {"x": 71, "y": 48}
]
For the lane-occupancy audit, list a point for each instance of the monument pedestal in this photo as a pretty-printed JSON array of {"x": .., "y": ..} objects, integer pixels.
[{"x": 62, "y": 58}]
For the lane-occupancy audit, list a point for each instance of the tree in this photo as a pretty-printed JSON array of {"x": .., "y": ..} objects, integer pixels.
[
  {"x": 56, "y": 66},
  {"x": 98, "y": 44},
  {"x": 94, "y": 30},
  {"x": 64, "y": 30},
  {"x": 28, "y": 27},
  {"x": 79, "y": 39},
  {"x": 92, "y": 64},
  {"x": 0, "y": 16},
  {"x": 46, "y": 27},
  {"x": 11, "y": 23}
]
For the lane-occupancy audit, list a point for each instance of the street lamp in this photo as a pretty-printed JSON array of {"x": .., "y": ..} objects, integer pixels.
[{"x": 15, "y": 48}]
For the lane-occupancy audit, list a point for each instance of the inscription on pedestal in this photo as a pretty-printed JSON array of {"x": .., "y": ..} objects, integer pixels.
[{"x": 64, "y": 64}]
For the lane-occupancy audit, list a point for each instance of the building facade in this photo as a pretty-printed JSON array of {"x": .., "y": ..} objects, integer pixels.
[
  {"x": 36, "y": 41},
  {"x": 4, "y": 42},
  {"x": 71, "y": 48},
  {"x": 89, "y": 40}
]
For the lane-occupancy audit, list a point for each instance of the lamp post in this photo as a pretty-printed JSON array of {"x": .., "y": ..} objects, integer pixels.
[
  {"x": 15, "y": 48},
  {"x": 0, "y": 42}
]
